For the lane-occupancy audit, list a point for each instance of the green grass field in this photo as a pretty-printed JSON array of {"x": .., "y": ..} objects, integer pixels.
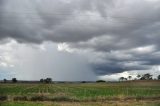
[{"x": 139, "y": 93}]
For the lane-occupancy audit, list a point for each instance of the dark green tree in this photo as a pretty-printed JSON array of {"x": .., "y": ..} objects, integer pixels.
[
  {"x": 129, "y": 77},
  {"x": 14, "y": 80},
  {"x": 100, "y": 81},
  {"x": 4, "y": 80},
  {"x": 42, "y": 80},
  {"x": 147, "y": 76},
  {"x": 121, "y": 79},
  {"x": 48, "y": 80},
  {"x": 138, "y": 76},
  {"x": 158, "y": 77}
]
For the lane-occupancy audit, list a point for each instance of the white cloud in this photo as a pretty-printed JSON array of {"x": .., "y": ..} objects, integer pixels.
[
  {"x": 154, "y": 70},
  {"x": 64, "y": 47},
  {"x": 144, "y": 50},
  {"x": 3, "y": 64}
]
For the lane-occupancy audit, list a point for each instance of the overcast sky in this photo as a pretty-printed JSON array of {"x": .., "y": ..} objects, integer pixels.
[{"x": 79, "y": 39}]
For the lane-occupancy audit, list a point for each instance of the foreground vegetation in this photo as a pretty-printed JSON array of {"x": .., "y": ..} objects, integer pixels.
[
  {"x": 111, "y": 103},
  {"x": 21, "y": 94}
]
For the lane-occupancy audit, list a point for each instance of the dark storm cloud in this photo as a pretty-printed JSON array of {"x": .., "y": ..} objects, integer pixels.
[
  {"x": 38, "y": 21},
  {"x": 125, "y": 32},
  {"x": 119, "y": 62},
  {"x": 103, "y": 69}
]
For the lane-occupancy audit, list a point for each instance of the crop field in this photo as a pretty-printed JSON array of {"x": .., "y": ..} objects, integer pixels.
[{"x": 139, "y": 93}]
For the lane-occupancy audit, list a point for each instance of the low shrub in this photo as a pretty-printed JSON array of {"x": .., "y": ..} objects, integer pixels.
[
  {"x": 39, "y": 98},
  {"x": 100, "y": 81},
  {"x": 20, "y": 98},
  {"x": 62, "y": 98},
  {"x": 3, "y": 98}
]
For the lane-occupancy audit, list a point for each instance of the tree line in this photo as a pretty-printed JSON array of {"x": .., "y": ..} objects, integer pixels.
[
  {"x": 14, "y": 80},
  {"x": 146, "y": 76}
]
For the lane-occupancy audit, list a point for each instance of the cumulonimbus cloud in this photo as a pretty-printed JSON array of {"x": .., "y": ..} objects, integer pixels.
[{"x": 121, "y": 31}]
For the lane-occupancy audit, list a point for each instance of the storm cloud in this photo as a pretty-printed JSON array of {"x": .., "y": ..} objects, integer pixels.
[{"x": 113, "y": 35}]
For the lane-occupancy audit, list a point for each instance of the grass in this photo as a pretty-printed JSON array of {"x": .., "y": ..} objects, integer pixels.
[
  {"x": 141, "y": 103},
  {"x": 98, "y": 93}
]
